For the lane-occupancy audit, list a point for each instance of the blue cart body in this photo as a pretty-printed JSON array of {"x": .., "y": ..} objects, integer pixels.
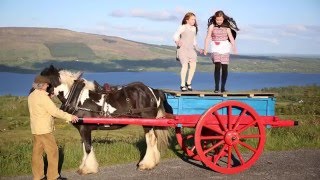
[{"x": 195, "y": 103}]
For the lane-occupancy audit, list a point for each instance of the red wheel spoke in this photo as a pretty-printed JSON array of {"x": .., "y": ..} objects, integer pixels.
[
  {"x": 210, "y": 137},
  {"x": 229, "y": 117},
  {"x": 216, "y": 158},
  {"x": 229, "y": 156},
  {"x": 218, "y": 118},
  {"x": 238, "y": 153},
  {"x": 246, "y": 127},
  {"x": 213, "y": 147},
  {"x": 239, "y": 119},
  {"x": 215, "y": 129},
  {"x": 250, "y": 136},
  {"x": 247, "y": 146},
  {"x": 193, "y": 148}
]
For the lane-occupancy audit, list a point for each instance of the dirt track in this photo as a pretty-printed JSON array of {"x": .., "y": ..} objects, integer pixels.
[{"x": 299, "y": 164}]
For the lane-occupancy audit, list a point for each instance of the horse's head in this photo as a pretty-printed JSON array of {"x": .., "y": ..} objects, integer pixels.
[
  {"x": 53, "y": 74},
  {"x": 61, "y": 80}
]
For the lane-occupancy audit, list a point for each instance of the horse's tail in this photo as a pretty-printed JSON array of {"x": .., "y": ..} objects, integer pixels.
[{"x": 162, "y": 135}]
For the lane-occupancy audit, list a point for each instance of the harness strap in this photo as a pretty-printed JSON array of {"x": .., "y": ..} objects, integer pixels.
[
  {"x": 127, "y": 100},
  {"x": 72, "y": 101},
  {"x": 70, "y": 95}
]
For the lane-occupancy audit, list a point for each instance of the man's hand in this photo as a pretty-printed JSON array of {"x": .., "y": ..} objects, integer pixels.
[{"x": 74, "y": 119}]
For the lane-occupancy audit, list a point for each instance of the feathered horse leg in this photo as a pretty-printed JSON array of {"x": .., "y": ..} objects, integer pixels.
[{"x": 89, "y": 162}]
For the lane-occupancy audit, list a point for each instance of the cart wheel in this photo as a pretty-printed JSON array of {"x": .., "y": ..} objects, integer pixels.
[
  {"x": 186, "y": 143},
  {"x": 237, "y": 137}
]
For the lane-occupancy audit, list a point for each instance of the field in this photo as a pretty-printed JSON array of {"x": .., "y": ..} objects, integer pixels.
[{"x": 127, "y": 145}]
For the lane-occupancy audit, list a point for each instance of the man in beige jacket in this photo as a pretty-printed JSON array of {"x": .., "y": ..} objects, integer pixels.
[{"x": 42, "y": 110}]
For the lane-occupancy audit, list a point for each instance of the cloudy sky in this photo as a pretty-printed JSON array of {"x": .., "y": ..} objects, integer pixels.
[{"x": 266, "y": 26}]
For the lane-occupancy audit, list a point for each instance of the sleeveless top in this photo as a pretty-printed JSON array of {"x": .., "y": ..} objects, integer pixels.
[
  {"x": 220, "y": 43},
  {"x": 219, "y": 34}
]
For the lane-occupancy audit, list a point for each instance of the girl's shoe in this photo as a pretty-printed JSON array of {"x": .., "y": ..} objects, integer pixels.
[
  {"x": 189, "y": 87},
  {"x": 183, "y": 88}
]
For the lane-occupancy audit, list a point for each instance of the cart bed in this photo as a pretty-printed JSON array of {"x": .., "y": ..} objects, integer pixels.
[{"x": 197, "y": 102}]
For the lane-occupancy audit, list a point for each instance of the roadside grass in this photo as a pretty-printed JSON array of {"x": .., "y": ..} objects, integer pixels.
[
  {"x": 305, "y": 135},
  {"x": 128, "y": 145}
]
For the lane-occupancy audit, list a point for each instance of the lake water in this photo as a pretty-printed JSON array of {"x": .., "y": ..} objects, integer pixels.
[{"x": 19, "y": 84}]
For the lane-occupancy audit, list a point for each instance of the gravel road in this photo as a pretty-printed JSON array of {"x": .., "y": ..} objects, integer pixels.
[{"x": 298, "y": 164}]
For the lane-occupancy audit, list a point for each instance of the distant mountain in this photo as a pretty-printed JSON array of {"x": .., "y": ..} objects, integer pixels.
[
  {"x": 38, "y": 44},
  {"x": 29, "y": 49}
]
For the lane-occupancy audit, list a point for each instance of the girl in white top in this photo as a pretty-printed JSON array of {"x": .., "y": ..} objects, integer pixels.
[{"x": 185, "y": 39}]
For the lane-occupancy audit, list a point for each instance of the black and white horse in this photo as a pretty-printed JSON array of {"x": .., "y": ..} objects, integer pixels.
[{"x": 88, "y": 99}]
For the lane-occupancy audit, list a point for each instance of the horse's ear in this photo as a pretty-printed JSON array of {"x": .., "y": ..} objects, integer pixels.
[{"x": 52, "y": 68}]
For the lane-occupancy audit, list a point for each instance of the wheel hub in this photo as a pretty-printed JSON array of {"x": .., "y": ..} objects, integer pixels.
[{"x": 231, "y": 138}]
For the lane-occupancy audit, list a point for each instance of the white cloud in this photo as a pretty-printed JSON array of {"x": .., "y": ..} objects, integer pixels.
[
  {"x": 286, "y": 33},
  {"x": 258, "y": 33},
  {"x": 277, "y": 33},
  {"x": 118, "y": 13},
  {"x": 259, "y": 38},
  {"x": 296, "y": 28},
  {"x": 135, "y": 33},
  {"x": 150, "y": 15}
]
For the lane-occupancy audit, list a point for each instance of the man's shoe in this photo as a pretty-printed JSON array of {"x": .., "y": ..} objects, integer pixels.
[{"x": 216, "y": 91}]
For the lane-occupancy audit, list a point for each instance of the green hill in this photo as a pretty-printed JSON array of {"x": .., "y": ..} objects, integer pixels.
[
  {"x": 30, "y": 44},
  {"x": 28, "y": 49}
]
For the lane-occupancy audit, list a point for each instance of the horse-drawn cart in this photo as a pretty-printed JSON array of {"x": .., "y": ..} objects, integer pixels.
[{"x": 226, "y": 132}]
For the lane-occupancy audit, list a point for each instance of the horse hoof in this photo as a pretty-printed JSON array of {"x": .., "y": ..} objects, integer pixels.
[
  {"x": 143, "y": 167},
  {"x": 80, "y": 172},
  {"x": 86, "y": 171}
]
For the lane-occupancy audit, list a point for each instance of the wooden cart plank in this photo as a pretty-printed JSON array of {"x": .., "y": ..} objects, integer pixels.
[{"x": 228, "y": 94}]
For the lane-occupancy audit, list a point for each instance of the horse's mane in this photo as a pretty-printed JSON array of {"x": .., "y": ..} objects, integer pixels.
[{"x": 68, "y": 78}]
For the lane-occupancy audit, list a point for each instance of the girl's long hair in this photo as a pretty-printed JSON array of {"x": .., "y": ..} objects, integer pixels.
[
  {"x": 186, "y": 17},
  {"x": 212, "y": 19}
]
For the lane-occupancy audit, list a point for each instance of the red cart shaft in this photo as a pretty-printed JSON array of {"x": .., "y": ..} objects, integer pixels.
[{"x": 186, "y": 121}]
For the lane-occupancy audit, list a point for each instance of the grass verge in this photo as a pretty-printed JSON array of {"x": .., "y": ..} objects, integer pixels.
[{"x": 128, "y": 145}]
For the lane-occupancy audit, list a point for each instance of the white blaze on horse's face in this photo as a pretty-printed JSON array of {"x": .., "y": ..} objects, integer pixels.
[
  {"x": 158, "y": 101},
  {"x": 62, "y": 88}
]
